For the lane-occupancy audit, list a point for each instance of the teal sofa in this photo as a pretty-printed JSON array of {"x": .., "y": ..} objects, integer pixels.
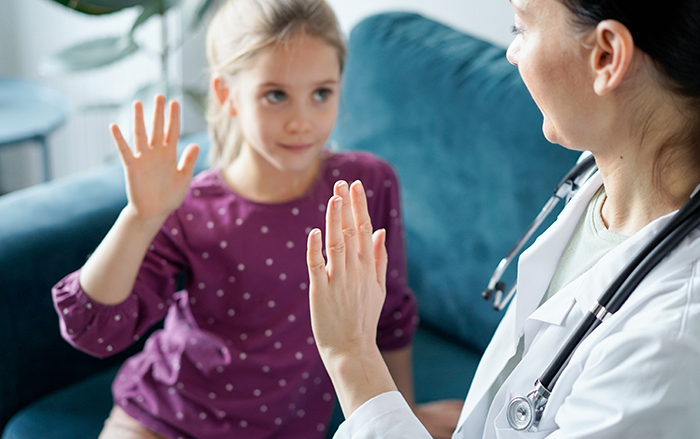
[{"x": 446, "y": 109}]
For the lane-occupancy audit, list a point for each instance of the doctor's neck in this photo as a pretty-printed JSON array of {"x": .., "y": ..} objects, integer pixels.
[{"x": 650, "y": 173}]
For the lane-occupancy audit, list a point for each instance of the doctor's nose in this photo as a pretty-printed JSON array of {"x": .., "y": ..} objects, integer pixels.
[{"x": 512, "y": 53}]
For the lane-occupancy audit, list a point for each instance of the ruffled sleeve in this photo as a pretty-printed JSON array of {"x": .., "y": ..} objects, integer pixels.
[{"x": 102, "y": 330}]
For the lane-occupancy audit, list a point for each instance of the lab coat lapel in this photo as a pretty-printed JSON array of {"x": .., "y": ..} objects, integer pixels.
[
  {"x": 539, "y": 262},
  {"x": 497, "y": 354}
]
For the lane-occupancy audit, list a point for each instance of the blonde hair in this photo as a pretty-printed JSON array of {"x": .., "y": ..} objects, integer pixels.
[{"x": 237, "y": 32}]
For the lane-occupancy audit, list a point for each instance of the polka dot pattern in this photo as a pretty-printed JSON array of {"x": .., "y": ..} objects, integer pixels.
[{"x": 247, "y": 292}]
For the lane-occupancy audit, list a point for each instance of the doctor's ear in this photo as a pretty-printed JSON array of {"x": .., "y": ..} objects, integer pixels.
[
  {"x": 611, "y": 56},
  {"x": 222, "y": 92}
]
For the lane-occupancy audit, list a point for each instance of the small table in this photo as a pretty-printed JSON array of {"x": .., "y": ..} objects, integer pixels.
[{"x": 30, "y": 111}]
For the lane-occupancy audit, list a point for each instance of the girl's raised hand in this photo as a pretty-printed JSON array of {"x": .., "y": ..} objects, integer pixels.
[{"x": 156, "y": 184}]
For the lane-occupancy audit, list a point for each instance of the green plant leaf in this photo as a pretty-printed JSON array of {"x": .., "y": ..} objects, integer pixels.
[
  {"x": 194, "y": 11},
  {"x": 99, "y": 7},
  {"x": 151, "y": 8},
  {"x": 89, "y": 55}
]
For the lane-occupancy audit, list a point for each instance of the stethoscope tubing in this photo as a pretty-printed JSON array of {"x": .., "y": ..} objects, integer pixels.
[
  {"x": 567, "y": 186},
  {"x": 679, "y": 227}
]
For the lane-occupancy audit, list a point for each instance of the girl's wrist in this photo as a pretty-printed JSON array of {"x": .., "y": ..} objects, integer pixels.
[{"x": 151, "y": 224}]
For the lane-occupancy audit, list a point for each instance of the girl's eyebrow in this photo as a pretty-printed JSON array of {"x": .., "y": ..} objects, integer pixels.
[{"x": 280, "y": 85}]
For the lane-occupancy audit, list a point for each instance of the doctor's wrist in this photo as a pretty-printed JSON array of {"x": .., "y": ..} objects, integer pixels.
[{"x": 358, "y": 377}]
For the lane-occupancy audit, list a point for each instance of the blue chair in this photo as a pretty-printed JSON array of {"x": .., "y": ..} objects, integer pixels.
[{"x": 29, "y": 112}]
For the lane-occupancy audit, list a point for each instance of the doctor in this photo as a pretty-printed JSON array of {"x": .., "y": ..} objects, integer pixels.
[{"x": 621, "y": 79}]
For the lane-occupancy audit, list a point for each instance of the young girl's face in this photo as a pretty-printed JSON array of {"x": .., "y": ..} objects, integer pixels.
[{"x": 287, "y": 101}]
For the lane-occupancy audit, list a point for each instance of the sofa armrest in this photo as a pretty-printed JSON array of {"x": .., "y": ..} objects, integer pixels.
[{"x": 46, "y": 232}]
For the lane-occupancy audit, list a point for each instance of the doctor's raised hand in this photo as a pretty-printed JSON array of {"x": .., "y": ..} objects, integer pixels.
[{"x": 346, "y": 295}]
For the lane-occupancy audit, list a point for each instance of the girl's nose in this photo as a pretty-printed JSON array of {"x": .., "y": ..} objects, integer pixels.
[{"x": 299, "y": 120}]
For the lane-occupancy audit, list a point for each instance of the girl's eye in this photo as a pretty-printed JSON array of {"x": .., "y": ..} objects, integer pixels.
[
  {"x": 515, "y": 30},
  {"x": 276, "y": 96},
  {"x": 322, "y": 94}
]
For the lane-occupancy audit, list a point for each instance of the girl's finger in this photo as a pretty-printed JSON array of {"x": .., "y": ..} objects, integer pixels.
[
  {"x": 380, "y": 256},
  {"x": 335, "y": 242},
  {"x": 173, "y": 129},
  {"x": 342, "y": 190},
  {"x": 140, "y": 137},
  {"x": 363, "y": 223},
  {"x": 188, "y": 160},
  {"x": 124, "y": 151},
  {"x": 315, "y": 262},
  {"x": 157, "y": 132}
]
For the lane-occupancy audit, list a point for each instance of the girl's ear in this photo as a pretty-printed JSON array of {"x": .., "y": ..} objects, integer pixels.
[
  {"x": 223, "y": 93},
  {"x": 612, "y": 55}
]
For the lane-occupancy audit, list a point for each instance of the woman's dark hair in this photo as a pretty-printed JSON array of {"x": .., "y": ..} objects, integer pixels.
[{"x": 667, "y": 31}]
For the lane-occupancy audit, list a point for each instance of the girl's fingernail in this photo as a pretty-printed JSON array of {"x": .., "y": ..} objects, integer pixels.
[
  {"x": 337, "y": 204},
  {"x": 316, "y": 235}
]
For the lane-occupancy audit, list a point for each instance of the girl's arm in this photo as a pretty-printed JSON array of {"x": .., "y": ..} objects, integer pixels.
[{"x": 156, "y": 185}]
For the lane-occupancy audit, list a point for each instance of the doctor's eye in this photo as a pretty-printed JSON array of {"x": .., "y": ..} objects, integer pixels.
[
  {"x": 276, "y": 96},
  {"x": 322, "y": 94}
]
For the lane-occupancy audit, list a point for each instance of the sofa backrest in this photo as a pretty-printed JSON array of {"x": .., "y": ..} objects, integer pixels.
[{"x": 455, "y": 119}]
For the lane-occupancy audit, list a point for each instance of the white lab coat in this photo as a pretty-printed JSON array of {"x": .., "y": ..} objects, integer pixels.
[{"x": 637, "y": 375}]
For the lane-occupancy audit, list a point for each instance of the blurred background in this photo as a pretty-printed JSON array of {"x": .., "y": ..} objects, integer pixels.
[{"x": 99, "y": 60}]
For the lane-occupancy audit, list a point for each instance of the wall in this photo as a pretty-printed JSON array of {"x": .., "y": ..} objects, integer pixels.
[
  {"x": 32, "y": 29},
  {"x": 487, "y": 19}
]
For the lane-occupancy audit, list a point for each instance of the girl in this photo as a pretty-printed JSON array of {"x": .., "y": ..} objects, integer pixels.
[
  {"x": 618, "y": 78},
  {"x": 236, "y": 357}
]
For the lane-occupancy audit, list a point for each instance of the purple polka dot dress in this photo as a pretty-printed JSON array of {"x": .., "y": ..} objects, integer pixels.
[{"x": 236, "y": 357}]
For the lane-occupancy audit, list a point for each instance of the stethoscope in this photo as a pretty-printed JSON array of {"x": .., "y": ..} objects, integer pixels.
[
  {"x": 566, "y": 188},
  {"x": 525, "y": 412}
]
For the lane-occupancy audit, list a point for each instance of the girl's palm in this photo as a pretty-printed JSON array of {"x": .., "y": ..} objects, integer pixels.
[{"x": 156, "y": 184}]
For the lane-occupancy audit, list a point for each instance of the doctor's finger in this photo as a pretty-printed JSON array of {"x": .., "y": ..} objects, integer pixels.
[
  {"x": 315, "y": 263},
  {"x": 140, "y": 136},
  {"x": 124, "y": 151},
  {"x": 157, "y": 130},
  {"x": 380, "y": 256},
  {"x": 348, "y": 223},
  {"x": 363, "y": 223},
  {"x": 335, "y": 242}
]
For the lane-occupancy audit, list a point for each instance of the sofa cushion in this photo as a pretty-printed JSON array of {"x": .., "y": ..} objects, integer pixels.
[
  {"x": 77, "y": 411},
  {"x": 454, "y": 118}
]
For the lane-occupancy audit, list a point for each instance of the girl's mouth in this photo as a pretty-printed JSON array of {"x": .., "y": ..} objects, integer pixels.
[{"x": 297, "y": 147}]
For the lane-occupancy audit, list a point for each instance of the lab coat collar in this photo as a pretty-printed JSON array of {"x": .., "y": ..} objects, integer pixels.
[
  {"x": 589, "y": 287},
  {"x": 538, "y": 263}
]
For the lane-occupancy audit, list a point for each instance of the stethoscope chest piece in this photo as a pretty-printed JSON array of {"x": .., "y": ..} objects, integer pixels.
[
  {"x": 520, "y": 413},
  {"x": 524, "y": 413}
]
